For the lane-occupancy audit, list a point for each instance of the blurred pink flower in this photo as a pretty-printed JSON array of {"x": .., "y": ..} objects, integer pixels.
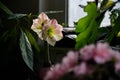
[
  {"x": 80, "y": 69},
  {"x": 116, "y": 57},
  {"x": 117, "y": 67},
  {"x": 38, "y": 24},
  {"x": 51, "y": 75},
  {"x": 52, "y": 32},
  {"x": 70, "y": 60},
  {"x": 102, "y": 53},
  {"x": 67, "y": 64},
  {"x": 58, "y": 71},
  {"x": 87, "y": 52}
]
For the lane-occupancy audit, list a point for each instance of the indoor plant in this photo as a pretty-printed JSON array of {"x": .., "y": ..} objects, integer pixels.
[{"x": 16, "y": 31}]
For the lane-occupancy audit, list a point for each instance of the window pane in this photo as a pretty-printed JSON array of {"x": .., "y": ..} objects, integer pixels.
[
  {"x": 54, "y": 9},
  {"x": 75, "y": 12}
]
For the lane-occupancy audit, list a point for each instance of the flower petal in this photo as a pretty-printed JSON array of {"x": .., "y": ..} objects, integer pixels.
[
  {"x": 43, "y": 17},
  {"x": 39, "y": 23},
  {"x": 36, "y": 25},
  {"x": 51, "y": 41}
]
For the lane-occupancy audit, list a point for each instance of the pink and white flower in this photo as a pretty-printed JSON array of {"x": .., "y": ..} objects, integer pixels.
[
  {"x": 52, "y": 32},
  {"x": 38, "y": 24},
  {"x": 46, "y": 29}
]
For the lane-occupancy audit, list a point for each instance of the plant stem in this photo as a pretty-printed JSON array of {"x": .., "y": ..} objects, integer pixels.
[{"x": 48, "y": 53}]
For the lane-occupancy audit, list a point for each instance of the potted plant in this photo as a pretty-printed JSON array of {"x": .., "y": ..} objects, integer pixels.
[{"x": 33, "y": 39}]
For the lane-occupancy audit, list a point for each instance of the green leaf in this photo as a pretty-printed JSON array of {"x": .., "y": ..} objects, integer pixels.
[
  {"x": 4, "y": 8},
  {"x": 84, "y": 22},
  {"x": 26, "y": 50},
  {"x": 87, "y": 27},
  {"x": 81, "y": 40},
  {"x": 17, "y": 16},
  {"x": 32, "y": 40}
]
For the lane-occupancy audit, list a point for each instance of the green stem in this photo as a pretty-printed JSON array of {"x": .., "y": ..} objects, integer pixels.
[{"x": 48, "y": 53}]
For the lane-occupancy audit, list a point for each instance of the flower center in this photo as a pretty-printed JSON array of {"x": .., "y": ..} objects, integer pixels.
[{"x": 50, "y": 32}]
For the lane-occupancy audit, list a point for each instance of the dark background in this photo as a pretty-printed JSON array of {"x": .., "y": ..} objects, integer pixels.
[
  {"x": 12, "y": 66},
  {"x": 37, "y": 6},
  {"x": 22, "y": 6}
]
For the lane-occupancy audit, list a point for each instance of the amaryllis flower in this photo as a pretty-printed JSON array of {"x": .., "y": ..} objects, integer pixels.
[
  {"x": 52, "y": 32},
  {"x": 39, "y": 23}
]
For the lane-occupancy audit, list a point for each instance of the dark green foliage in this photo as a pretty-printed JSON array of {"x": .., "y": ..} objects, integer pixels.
[{"x": 18, "y": 43}]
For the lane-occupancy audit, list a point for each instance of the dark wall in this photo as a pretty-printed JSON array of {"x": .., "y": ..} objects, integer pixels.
[{"x": 22, "y": 6}]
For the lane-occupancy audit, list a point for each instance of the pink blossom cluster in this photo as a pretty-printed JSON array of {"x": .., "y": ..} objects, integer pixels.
[
  {"x": 100, "y": 53},
  {"x": 68, "y": 62}
]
